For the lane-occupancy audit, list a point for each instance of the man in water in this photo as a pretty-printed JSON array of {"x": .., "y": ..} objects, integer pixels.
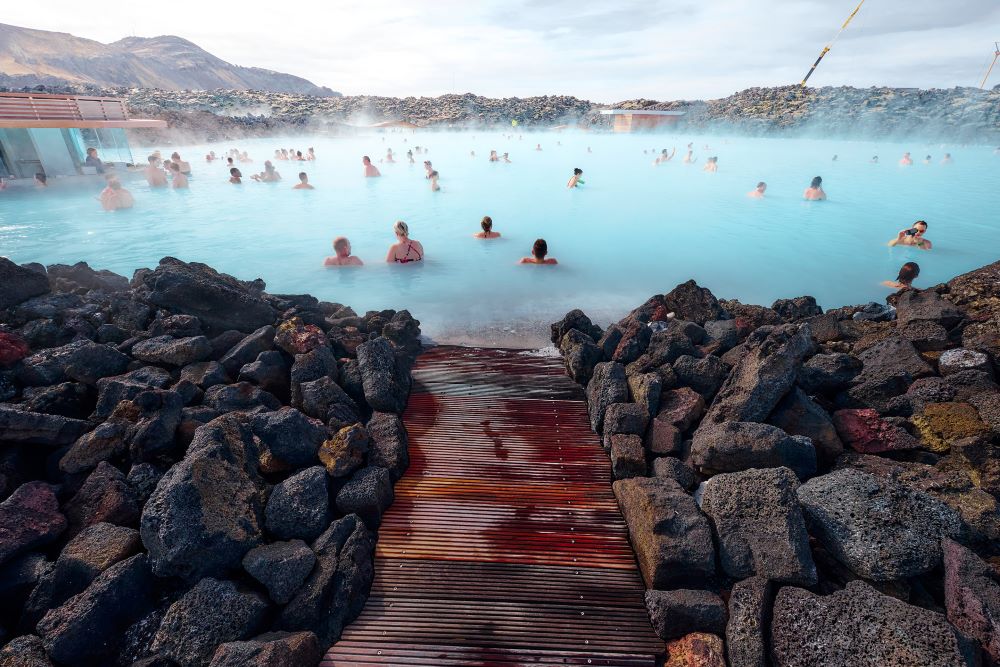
[
  {"x": 711, "y": 165},
  {"x": 343, "y": 256},
  {"x": 184, "y": 166},
  {"x": 371, "y": 171},
  {"x": 303, "y": 183},
  {"x": 154, "y": 173},
  {"x": 115, "y": 197},
  {"x": 914, "y": 236},
  {"x": 815, "y": 190},
  {"x": 235, "y": 176},
  {"x": 94, "y": 161},
  {"x": 758, "y": 192},
  {"x": 180, "y": 180},
  {"x": 906, "y": 160},
  {"x": 434, "y": 182},
  {"x": 538, "y": 252}
]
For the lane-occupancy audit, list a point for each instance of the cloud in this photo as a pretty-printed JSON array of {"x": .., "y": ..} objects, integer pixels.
[{"x": 683, "y": 49}]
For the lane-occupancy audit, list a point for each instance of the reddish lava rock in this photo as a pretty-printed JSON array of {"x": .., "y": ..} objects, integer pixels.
[
  {"x": 698, "y": 649},
  {"x": 866, "y": 432},
  {"x": 12, "y": 349},
  {"x": 294, "y": 337},
  {"x": 28, "y": 519},
  {"x": 972, "y": 596}
]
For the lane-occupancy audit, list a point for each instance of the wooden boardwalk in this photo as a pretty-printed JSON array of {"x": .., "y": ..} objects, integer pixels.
[{"x": 505, "y": 546}]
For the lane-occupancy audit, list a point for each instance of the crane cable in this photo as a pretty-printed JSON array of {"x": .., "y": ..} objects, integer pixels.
[
  {"x": 996, "y": 55},
  {"x": 826, "y": 49}
]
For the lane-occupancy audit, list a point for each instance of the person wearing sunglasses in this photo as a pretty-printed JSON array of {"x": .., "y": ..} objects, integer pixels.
[{"x": 914, "y": 236}]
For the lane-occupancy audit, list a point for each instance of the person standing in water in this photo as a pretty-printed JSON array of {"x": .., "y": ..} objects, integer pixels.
[
  {"x": 427, "y": 168},
  {"x": 405, "y": 250},
  {"x": 907, "y": 274},
  {"x": 664, "y": 156},
  {"x": 487, "y": 233},
  {"x": 711, "y": 165},
  {"x": 180, "y": 180},
  {"x": 154, "y": 173},
  {"x": 185, "y": 167},
  {"x": 538, "y": 252},
  {"x": 914, "y": 236},
  {"x": 815, "y": 190},
  {"x": 689, "y": 156},
  {"x": 94, "y": 161},
  {"x": 114, "y": 197},
  {"x": 303, "y": 183},
  {"x": 946, "y": 159},
  {"x": 758, "y": 192},
  {"x": 388, "y": 156},
  {"x": 371, "y": 171},
  {"x": 576, "y": 179},
  {"x": 434, "y": 181},
  {"x": 906, "y": 160},
  {"x": 235, "y": 176},
  {"x": 342, "y": 254}
]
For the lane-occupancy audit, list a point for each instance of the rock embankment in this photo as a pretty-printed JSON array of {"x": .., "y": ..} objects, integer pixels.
[
  {"x": 954, "y": 114},
  {"x": 192, "y": 470},
  {"x": 807, "y": 488}
]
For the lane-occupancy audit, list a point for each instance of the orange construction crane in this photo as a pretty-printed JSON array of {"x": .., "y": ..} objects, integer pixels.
[
  {"x": 996, "y": 55},
  {"x": 826, "y": 49}
]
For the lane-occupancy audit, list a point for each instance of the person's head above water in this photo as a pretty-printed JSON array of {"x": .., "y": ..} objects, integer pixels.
[
  {"x": 539, "y": 249},
  {"x": 303, "y": 176},
  {"x": 174, "y": 166},
  {"x": 366, "y": 160},
  {"x": 341, "y": 246},
  {"x": 41, "y": 177},
  {"x": 817, "y": 181},
  {"x": 434, "y": 174},
  {"x": 152, "y": 159},
  {"x": 578, "y": 172},
  {"x": 487, "y": 224},
  {"x": 235, "y": 173},
  {"x": 401, "y": 229},
  {"x": 908, "y": 273},
  {"x": 761, "y": 186}
]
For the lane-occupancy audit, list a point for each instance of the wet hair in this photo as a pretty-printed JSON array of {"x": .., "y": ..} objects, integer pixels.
[
  {"x": 340, "y": 242},
  {"x": 298, "y": 153},
  {"x": 303, "y": 176},
  {"x": 539, "y": 249},
  {"x": 40, "y": 176},
  {"x": 174, "y": 166},
  {"x": 175, "y": 156},
  {"x": 401, "y": 228},
  {"x": 486, "y": 224},
  {"x": 908, "y": 273},
  {"x": 761, "y": 184},
  {"x": 91, "y": 149},
  {"x": 229, "y": 160},
  {"x": 365, "y": 158},
  {"x": 152, "y": 159},
  {"x": 434, "y": 174},
  {"x": 577, "y": 171},
  {"x": 816, "y": 182},
  {"x": 235, "y": 172},
  {"x": 920, "y": 222}
]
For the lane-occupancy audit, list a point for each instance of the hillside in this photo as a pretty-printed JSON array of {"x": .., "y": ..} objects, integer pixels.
[{"x": 32, "y": 57}]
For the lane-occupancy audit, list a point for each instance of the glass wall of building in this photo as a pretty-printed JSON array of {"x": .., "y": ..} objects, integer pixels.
[
  {"x": 111, "y": 144},
  {"x": 19, "y": 153}
]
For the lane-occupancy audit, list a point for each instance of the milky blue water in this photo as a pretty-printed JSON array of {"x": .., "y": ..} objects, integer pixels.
[{"x": 631, "y": 231}]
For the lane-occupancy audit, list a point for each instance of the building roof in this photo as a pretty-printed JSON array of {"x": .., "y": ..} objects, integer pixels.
[
  {"x": 34, "y": 110},
  {"x": 640, "y": 112}
]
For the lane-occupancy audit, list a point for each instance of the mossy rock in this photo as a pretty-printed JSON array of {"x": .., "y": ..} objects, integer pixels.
[{"x": 940, "y": 424}]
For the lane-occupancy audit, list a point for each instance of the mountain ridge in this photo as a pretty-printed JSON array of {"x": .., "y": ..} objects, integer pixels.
[{"x": 168, "y": 62}]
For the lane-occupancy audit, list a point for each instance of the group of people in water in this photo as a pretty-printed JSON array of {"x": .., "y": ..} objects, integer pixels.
[{"x": 407, "y": 250}]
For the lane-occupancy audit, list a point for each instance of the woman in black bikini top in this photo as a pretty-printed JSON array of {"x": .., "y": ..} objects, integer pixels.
[{"x": 406, "y": 250}]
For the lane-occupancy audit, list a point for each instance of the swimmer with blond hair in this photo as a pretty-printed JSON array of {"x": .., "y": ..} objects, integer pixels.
[
  {"x": 342, "y": 254},
  {"x": 405, "y": 250}
]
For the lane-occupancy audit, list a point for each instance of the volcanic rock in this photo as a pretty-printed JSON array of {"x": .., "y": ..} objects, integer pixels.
[
  {"x": 270, "y": 372},
  {"x": 32, "y": 428},
  {"x": 927, "y": 305},
  {"x": 368, "y": 494},
  {"x": 763, "y": 376},
  {"x": 24, "y": 651},
  {"x": 858, "y": 627},
  {"x": 247, "y": 350},
  {"x": 574, "y": 319},
  {"x": 337, "y": 589},
  {"x": 759, "y": 525},
  {"x": 290, "y": 436},
  {"x": 696, "y": 304},
  {"x": 29, "y": 518},
  {"x": 674, "y": 614},
  {"x": 105, "y": 496},
  {"x": 867, "y": 432},
  {"x": 878, "y": 528},
  {"x": 736, "y": 446},
  {"x": 671, "y": 537},
  {"x": 299, "y": 506},
  {"x": 607, "y": 386},
  {"x": 388, "y": 444},
  {"x": 386, "y": 384},
  {"x": 211, "y": 613},
  {"x": 668, "y": 467},
  {"x": 698, "y": 649},
  {"x": 704, "y": 375},
  {"x": 220, "y": 301},
  {"x": 82, "y": 360},
  {"x": 627, "y": 456},
  {"x": 826, "y": 373},
  {"x": 171, "y": 351},
  {"x": 941, "y": 424},
  {"x": 345, "y": 451},
  {"x": 972, "y": 597},
  {"x": 797, "y": 414},
  {"x": 749, "y": 615},
  {"x": 207, "y": 510},
  {"x": 272, "y": 649},
  {"x": 799, "y": 308},
  {"x": 281, "y": 567},
  {"x": 18, "y": 284}
]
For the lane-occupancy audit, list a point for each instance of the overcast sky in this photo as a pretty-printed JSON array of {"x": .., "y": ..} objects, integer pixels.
[{"x": 602, "y": 51}]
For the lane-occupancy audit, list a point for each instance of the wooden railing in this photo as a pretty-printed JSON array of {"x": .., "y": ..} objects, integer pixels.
[{"x": 30, "y": 106}]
